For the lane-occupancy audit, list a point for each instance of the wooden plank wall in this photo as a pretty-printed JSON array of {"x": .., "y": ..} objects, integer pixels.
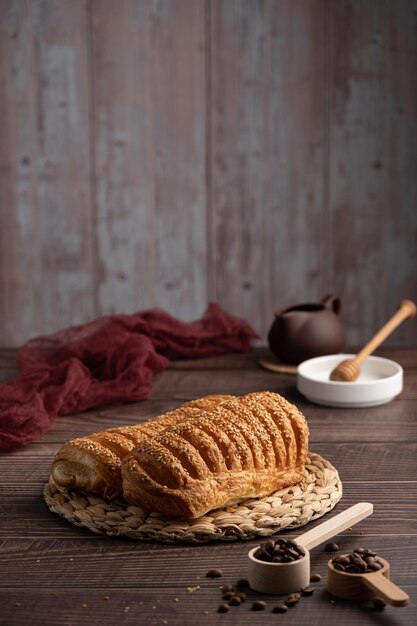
[{"x": 257, "y": 153}]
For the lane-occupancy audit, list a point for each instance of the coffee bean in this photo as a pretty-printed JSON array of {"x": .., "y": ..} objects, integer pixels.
[
  {"x": 223, "y": 608},
  {"x": 258, "y": 605},
  {"x": 242, "y": 583},
  {"x": 268, "y": 546},
  {"x": 359, "y": 561},
  {"x": 353, "y": 569},
  {"x": 281, "y": 541},
  {"x": 235, "y": 601},
  {"x": 280, "y": 608},
  {"x": 242, "y": 596},
  {"x": 331, "y": 547},
  {"x": 315, "y": 577},
  {"x": 379, "y": 604},
  {"x": 307, "y": 591},
  {"x": 262, "y": 555},
  {"x": 214, "y": 573},
  {"x": 292, "y": 599},
  {"x": 227, "y": 595},
  {"x": 340, "y": 567},
  {"x": 280, "y": 551},
  {"x": 294, "y": 553}
]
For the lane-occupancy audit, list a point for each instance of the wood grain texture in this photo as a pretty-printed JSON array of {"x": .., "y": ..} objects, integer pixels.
[
  {"x": 45, "y": 220},
  {"x": 63, "y": 203},
  {"x": 372, "y": 196},
  {"x": 131, "y": 562},
  {"x": 173, "y": 606},
  {"x": 171, "y": 152},
  {"x": 17, "y": 172},
  {"x": 267, "y": 156},
  {"x": 53, "y": 573},
  {"x": 150, "y": 155}
]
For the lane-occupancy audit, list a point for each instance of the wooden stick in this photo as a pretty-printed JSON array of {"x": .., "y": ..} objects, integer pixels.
[
  {"x": 335, "y": 525},
  {"x": 384, "y": 588},
  {"x": 407, "y": 309},
  {"x": 348, "y": 370}
]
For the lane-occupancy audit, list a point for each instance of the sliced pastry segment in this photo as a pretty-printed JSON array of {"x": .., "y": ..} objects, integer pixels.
[
  {"x": 248, "y": 446},
  {"x": 93, "y": 463}
]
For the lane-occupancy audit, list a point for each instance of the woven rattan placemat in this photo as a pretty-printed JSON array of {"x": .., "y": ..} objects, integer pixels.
[{"x": 288, "y": 508}]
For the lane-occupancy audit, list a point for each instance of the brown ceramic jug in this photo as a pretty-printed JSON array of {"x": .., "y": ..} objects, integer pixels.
[{"x": 307, "y": 330}]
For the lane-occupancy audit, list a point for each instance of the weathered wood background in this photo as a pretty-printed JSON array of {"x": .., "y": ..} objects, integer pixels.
[{"x": 174, "y": 152}]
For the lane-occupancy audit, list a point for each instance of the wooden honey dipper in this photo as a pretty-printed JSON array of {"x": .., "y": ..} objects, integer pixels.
[{"x": 348, "y": 371}]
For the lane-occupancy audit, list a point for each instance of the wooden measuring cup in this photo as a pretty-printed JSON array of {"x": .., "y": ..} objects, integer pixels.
[
  {"x": 365, "y": 587},
  {"x": 281, "y": 578}
]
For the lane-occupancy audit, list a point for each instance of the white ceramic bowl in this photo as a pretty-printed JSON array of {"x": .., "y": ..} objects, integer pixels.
[{"x": 379, "y": 382}]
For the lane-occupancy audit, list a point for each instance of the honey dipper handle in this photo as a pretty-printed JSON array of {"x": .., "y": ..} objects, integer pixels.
[
  {"x": 386, "y": 589},
  {"x": 335, "y": 525},
  {"x": 407, "y": 309}
]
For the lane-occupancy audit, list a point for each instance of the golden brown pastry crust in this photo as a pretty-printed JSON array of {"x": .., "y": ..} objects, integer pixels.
[
  {"x": 246, "y": 447},
  {"x": 93, "y": 463}
]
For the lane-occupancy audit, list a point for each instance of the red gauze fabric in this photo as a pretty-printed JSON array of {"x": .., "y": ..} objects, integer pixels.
[{"x": 112, "y": 359}]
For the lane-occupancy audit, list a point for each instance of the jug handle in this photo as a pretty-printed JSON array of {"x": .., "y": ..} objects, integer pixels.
[{"x": 332, "y": 302}]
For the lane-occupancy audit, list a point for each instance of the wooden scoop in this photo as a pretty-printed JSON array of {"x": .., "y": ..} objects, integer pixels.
[
  {"x": 365, "y": 587},
  {"x": 283, "y": 578},
  {"x": 348, "y": 371}
]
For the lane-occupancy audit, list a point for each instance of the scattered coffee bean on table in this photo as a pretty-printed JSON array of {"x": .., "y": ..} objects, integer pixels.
[
  {"x": 214, "y": 573},
  {"x": 331, "y": 547},
  {"x": 279, "y": 551},
  {"x": 232, "y": 597},
  {"x": 258, "y": 605},
  {"x": 359, "y": 561},
  {"x": 379, "y": 604},
  {"x": 235, "y": 601},
  {"x": 227, "y": 595},
  {"x": 314, "y": 578},
  {"x": 292, "y": 599}
]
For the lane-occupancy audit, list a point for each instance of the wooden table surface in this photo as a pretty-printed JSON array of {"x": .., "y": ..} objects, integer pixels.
[{"x": 53, "y": 573}]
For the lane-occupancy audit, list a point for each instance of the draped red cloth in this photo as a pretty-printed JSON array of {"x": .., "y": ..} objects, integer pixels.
[{"x": 110, "y": 360}]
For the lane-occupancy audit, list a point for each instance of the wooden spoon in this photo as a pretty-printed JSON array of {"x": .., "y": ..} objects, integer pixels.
[
  {"x": 348, "y": 371},
  {"x": 365, "y": 587},
  {"x": 280, "y": 578}
]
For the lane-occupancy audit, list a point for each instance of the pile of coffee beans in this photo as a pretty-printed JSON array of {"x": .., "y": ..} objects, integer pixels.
[
  {"x": 360, "y": 561},
  {"x": 279, "y": 551}
]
